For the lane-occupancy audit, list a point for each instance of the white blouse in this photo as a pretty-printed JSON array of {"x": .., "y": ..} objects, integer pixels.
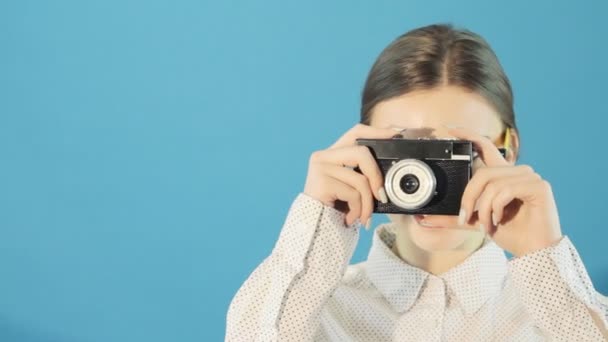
[{"x": 306, "y": 291}]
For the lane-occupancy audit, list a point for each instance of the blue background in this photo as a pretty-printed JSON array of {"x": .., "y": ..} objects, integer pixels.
[{"x": 151, "y": 149}]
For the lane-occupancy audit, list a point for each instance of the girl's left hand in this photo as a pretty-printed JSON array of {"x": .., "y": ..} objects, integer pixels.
[{"x": 513, "y": 204}]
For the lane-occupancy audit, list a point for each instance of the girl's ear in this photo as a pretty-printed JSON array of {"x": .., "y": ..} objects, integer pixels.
[{"x": 512, "y": 145}]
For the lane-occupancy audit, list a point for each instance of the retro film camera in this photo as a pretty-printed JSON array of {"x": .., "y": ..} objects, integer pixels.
[{"x": 422, "y": 176}]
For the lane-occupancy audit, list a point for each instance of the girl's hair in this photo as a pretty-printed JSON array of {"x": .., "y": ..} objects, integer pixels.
[{"x": 437, "y": 55}]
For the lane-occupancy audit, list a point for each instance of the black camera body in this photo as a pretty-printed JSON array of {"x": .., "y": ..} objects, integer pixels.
[{"x": 422, "y": 176}]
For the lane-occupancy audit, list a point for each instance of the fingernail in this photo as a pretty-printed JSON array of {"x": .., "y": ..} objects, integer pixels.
[
  {"x": 462, "y": 216},
  {"x": 368, "y": 224},
  {"x": 482, "y": 228},
  {"x": 382, "y": 195},
  {"x": 450, "y": 126},
  {"x": 494, "y": 220}
]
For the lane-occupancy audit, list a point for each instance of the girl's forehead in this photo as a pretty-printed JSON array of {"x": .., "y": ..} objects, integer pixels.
[
  {"x": 427, "y": 132},
  {"x": 419, "y": 126},
  {"x": 427, "y": 112}
]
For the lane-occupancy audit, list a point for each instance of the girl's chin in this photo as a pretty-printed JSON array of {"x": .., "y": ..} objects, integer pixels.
[{"x": 440, "y": 239}]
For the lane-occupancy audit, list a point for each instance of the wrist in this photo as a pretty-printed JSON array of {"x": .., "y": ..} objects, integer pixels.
[{"x": 536, "y": 247}]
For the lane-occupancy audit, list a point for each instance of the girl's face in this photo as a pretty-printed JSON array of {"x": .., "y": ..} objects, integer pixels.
[{"x": 424, "y": 114}]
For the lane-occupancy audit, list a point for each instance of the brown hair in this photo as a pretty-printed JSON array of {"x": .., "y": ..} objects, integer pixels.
[{"x": 435, "y": 55}]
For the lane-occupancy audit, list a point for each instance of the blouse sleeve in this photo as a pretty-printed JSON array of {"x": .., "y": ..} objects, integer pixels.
[
  {"x": 558, "y": 294},
  {"x": 283, "y": 297}
]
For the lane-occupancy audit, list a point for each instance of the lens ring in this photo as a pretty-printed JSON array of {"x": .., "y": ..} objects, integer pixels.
[{"x": 426, "y": 188}]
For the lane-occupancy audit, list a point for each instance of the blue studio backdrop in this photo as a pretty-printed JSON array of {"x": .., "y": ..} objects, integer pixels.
[{"x": 149, "y": 150}]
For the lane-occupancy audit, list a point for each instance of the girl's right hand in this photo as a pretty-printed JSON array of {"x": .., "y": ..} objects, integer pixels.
[{"x": 331, "y": 176}]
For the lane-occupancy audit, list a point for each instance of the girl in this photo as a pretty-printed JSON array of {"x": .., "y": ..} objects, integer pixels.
[{"x": 427, "y": 277}]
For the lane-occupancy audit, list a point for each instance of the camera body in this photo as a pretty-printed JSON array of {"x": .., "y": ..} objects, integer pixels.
[{"x": 422, "y": 176}]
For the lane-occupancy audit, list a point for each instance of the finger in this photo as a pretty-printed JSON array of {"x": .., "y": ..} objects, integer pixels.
[
  {"x": 485, "y": 204},
  {"x": 481, "y": 178},
  {"x": 524, "y": 191},
  {"x": 351, "y": 196},
  {"x": 357, "y": 181},
  {"x": 355, "y": 156},
  {"x": 504, "y": 198},
  {"x": 488, "y": 152},
  {"x": 363, "y": 131}
]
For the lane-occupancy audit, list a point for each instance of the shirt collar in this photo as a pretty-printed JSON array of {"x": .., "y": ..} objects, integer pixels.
[{"x": 472, "y": 282}]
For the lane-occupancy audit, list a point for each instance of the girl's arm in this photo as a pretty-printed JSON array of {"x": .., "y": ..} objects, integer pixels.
[
  {"x": 559, "y": 295},
  {"x": 282, "y": 299}
]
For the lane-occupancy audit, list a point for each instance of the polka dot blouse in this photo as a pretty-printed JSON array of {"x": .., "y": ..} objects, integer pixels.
[{"x": 307, "y": 291}]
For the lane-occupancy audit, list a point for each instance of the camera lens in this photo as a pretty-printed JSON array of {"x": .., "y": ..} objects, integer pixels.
[{"x": 409, "y": 184}]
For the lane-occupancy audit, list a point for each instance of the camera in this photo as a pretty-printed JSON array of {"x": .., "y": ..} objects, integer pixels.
[{"x": 422, "y": 176}]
